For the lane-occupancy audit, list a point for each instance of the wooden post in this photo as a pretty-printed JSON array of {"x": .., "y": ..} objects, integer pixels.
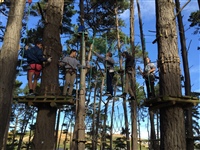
[{"x": 81, "y": 104}]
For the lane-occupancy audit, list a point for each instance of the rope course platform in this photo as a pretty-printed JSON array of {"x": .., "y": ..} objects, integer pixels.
[
  {"x": 167, "y": 101},
  {"x": 54, "y": 101}
]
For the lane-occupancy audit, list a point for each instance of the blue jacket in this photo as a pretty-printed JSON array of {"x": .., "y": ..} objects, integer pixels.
[{"x": 34, "y": 55}]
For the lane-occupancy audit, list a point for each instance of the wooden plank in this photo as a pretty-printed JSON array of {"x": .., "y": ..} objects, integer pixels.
[
  {"x": 31, "y": 100},
  {"x": 166, "y": 101}
]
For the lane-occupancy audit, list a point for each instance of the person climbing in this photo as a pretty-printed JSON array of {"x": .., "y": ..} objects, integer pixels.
[
  {"x": 109, "y": 65},
  {"x": 129, "y": 63},
  {"x": 35, "y": 60},
  {"x": 149, "y": 77},
  {"x": 71, "y": 64}
]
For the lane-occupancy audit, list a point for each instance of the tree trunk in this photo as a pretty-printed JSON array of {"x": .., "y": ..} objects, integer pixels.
[
  {"x": 133, "y": 103},
  {"x": 112, "y": 115},
  {"x": 45, "y": 124},
  {"x": 122, "y": 75},
  {"x": 94, "y": 143},
  {"x": 118, "y": 36},
  {"x": 187, "y": 83},
  {"x": 99, "y": 112},
  {"x": 126, "y": 126},
  {"x": 73, "y": 145},
  {"x": 57, "y": 129},
  {"x": 44, "y": 130},
  {"x": 104, "y": 130},
  {"x": 8, "y": 63},
  {"x": 81, "y": 104},
  {"x": 154, "y": 145},
  {"x": 142, "y": 39},
  {"x": 172, "y": 117}
]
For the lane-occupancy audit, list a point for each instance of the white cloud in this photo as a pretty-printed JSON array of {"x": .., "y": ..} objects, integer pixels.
[
  {"x": 192, "y": 6},
  {"x": 125, "y": 15},
  {"x": 147, "y": 8},
  {"x": 195, "y": 69}
]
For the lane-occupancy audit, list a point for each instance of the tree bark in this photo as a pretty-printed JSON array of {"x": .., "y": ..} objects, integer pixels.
[
  {"x": 133, "y": 103},
  {"x": 8, "y": 63},
  {"x": 154, "y": 145},
  {"x": 172, "y": 117},
  {"x": 44, "y": 130},
  {"x": 45, "y": 124},
  {"x": 126, "y": 126},
  {"x": 99, "y": 113},
  {"x": 142, "y": 39},
  {"x": 81, "y": 102},
  {"x": 104, "y": 130},
  {"x": 112, "y": 115},
  {"x": 94, "y": 139}
]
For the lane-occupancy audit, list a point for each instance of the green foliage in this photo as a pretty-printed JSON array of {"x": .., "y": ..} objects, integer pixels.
[
  {"x": 195, "y": 120},
  {"x": 197, "y": 145},
  {"x": 102, "y": 14},
  {"x": 17, "y": 90},
  {"x": 4, "y": 9},
  {"x": 194, "y": 18},
  {"x": 120, "y": 143}
]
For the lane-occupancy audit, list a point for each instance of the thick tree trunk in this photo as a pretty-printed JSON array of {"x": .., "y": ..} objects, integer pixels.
[
  {"x": 8, "y": 63},
  {"x": 44, "y": 133},
  {"x": 45, "y": 124},
  {"x": 172, "y": 129},
  {"x": 133, "y": 103},
  {"x": 172, "y": 117},
  {"x": 187, "y": 83},
  {"x": 154, "y": 145}
]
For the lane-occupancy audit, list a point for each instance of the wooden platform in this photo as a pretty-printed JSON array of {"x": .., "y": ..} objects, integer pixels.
[
  {"x": 166, "y": 101},
  {"x": 53, "y": 100}
]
